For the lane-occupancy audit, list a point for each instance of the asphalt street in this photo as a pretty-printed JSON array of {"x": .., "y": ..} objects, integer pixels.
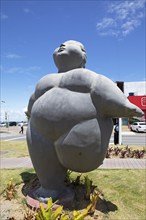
[{"x": 128, "y": 137}]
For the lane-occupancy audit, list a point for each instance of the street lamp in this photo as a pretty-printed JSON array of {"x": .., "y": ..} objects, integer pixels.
[
  {"x": 6, "y": 115},
  {"x": 120, "y": 84}
]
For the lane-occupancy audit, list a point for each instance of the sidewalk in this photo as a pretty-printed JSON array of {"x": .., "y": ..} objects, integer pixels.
[{"x": 25, "y": 162}]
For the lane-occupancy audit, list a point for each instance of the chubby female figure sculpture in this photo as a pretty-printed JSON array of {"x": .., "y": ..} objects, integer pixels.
[{"x": 71, "y": 120}]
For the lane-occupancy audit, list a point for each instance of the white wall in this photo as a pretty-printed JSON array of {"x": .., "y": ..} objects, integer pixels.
[{"x": 138, "y": 88}]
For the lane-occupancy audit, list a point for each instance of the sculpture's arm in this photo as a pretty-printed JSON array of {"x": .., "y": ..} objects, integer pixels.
[
  {"x": 107, "y": 98},
  {"x": 110, "y": 101}
]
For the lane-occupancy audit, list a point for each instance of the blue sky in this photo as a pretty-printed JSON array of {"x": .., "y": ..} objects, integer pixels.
[{"x": 113, "y": 33}]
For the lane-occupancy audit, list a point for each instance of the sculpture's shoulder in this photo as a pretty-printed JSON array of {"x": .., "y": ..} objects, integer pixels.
[
  {"x": 79, "y": 80},
  {"x": 49, "y": 79},
  {"x": 80, "y": 73},
  {"x": 46, "y": 83}
]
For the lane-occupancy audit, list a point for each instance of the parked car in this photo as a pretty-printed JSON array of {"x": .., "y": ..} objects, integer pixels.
[
  {"x": 2, "y": 124},
  {"x": 25, "y": 123},
  {"x": 12, "y": 123},
  {"x": 138, "y": 127}
]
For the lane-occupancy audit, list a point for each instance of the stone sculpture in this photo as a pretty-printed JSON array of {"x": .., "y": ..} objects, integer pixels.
[{"x": 71, "y": 120}]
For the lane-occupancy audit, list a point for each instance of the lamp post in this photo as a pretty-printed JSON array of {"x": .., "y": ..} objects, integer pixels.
[
  {"x": 120, "y": 84},
  {"x": 6, "y": 116}
]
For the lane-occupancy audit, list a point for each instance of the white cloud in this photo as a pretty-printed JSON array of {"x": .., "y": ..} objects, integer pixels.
[
  {"x": 3, "y": 16},
  {"x": 13, "y": 115},
  {"x": 13, "y": 56},
  {"x": 21, "y": 70},
  {"x": 24, "y": 109},
  {"x": 123, "y": 18},
  {"x": 129, "y": 26},
  {"x": 106, "y": 22},
  {"x": 26, "y": 10}
]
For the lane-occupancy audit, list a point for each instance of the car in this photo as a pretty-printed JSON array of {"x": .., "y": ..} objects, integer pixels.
[
  {"x": 25, "y": 123},
  {"x": 2, "y": 124},
  {"x": 12, "y": 123},
  {"x": 138, "y": 127}
]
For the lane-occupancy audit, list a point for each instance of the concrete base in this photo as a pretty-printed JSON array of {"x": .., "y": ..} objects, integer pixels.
[{"x": 65, "y": 199}]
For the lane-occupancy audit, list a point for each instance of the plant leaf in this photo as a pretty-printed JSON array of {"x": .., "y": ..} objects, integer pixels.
[{"x": 57, "y": 212}]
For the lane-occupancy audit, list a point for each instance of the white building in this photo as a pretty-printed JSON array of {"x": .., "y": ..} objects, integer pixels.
[
  {"x": 137, "y": 88},
  {"x": 135, "y": 91}
]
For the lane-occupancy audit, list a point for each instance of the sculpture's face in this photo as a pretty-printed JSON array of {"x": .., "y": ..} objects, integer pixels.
[{"x": 70, "y": 55}]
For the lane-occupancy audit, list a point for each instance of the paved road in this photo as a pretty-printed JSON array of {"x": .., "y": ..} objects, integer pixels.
[
  {"x": 132, "y": 138},
  {"x": 135, "y": 139},
  {"x": 12, "y": 134},
  {"x": 128, "y": 137},
  {"x": 12, "y": 137}
]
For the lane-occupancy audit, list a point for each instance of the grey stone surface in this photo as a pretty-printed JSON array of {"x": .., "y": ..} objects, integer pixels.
[{"x": 71, "y": 119}]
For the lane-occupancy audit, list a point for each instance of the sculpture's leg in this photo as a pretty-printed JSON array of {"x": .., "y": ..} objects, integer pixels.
[{"x": 50, "y": 172}]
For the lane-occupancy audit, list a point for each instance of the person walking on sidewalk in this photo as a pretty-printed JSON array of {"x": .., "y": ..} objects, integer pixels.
[{"x": 22, "y": 129}]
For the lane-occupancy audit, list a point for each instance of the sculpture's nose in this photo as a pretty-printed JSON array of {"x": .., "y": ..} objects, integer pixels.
[{"x": 61, "y": 48}]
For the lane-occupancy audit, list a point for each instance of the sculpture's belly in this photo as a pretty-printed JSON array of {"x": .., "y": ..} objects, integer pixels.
[
  {"x": 80, "y": 149},
  {"x": 59, "y": 109}
]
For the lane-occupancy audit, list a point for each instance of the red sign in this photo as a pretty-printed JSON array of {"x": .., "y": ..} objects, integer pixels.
[
  {"x": 140, "y": 101},
  {"x": 143, "y": 101}
]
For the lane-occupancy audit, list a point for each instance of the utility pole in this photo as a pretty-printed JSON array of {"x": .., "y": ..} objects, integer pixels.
[
  {"x": 6, "y": 116},
  {"x": 121, "y": 87}
]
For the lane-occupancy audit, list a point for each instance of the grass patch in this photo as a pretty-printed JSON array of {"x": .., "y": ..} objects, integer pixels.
[
  {"x": 123, "y": 189},
  {"x": 14, "y": 149},
  {"x": 15, "y": 174}
]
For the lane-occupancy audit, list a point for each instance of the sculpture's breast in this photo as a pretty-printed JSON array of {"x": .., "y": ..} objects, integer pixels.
[{"x": 59, "y": 109}]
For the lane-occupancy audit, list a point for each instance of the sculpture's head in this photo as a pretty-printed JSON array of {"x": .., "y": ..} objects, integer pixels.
[{"x": 70, "y": 55}]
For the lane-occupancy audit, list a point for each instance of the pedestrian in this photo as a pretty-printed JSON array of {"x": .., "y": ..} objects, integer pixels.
[
  {"x": 21, "y": 126},
  {"x": 116, "y": 134}
]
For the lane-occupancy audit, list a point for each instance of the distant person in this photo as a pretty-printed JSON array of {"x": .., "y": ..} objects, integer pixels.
[
  {"x": 116, "y": 134},
  {"x": 21, "y": 127}
]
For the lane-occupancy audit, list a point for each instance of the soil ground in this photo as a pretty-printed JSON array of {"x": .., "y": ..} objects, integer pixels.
[{"x": 17, "y": 208}]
